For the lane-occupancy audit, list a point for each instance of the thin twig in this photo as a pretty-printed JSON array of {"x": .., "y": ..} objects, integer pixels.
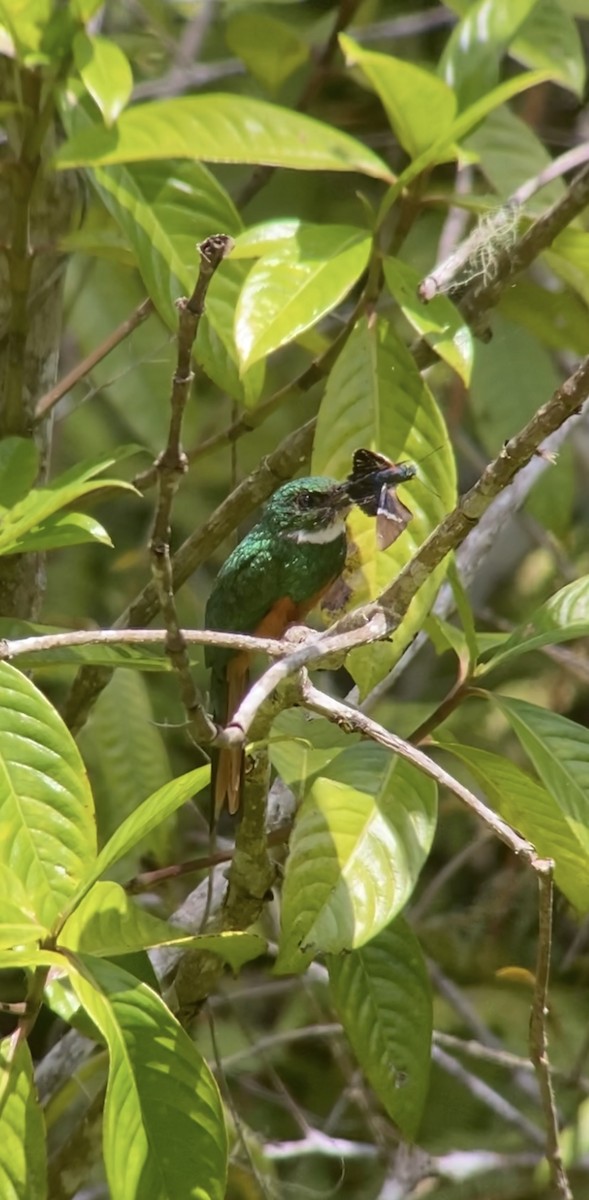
[
  {"x": 171, "y": 465},
  {"x": 488, "y": 1096},
  {"x": 87, "y": 364},
  {"x": 539, "y": 1033},
  {"x": 150, "y": 879}
]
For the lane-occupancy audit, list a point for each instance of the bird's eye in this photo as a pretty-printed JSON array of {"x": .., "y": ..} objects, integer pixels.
[{"x": 306, "y": 501}]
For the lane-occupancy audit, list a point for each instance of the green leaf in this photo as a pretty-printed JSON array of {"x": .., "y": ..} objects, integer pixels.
[
  {"x": 360, "y": 839},
  {"x": 146, "y": 817},
  {"x": 164, "y": 209},
  {"x": 464, "y": 123},
  {"x": 550, "y": 38},
  {"x": 376, "y": 397},
  {"x": 108, "y": 923},
  {"x": 289, "y": 290},
  {"x": 105, "y": 73},
  {"x": 268, "y": 237},
  {"x": 127, "y": 756},
  {"x": 516, "y": 355},
  {"x": 471, "y": 59},
  {"x": 558, "y": 318},
  {"x": 19, "y": 464},
  {"x": 419, "y": 105},
  {"x": 562, "y": 618},
  {"x": 510, "y": 153},
  {"x": 559, "y": 750},
  {"x": 222, "y": 128},
  {"x": 569, "y": 259},
  {"x": 270, "y": 49},
  {"x": 46, "y": 807},
  {"x": 383, "y": 999},
  {"x": 465, "y": 613},
  {"x": 302, "y": 745},
  {"x": 18, "y": 923},
  {"x": 63, "y": 529},
  {"x": 34, "y": 511},
  {"x": 23, "y": 1156},
  {"x": 531, "y": 809},
  {"x": 498, "y": 413},
  {"x": 164, "y": 1132},
  {"x": 439, "y": 322}
]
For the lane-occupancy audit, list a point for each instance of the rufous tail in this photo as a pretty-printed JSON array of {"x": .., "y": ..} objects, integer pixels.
[{"x": 227, "y": 692}]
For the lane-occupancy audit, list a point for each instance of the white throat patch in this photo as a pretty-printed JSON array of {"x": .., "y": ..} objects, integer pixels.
[{"x": 320, "y": 537}]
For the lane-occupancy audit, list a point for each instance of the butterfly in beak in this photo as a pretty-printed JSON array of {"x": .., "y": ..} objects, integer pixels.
[{"x": 371, "y": 486}]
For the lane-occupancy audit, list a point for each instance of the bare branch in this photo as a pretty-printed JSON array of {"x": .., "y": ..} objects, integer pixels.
[
  {"x": 83, "y": 368},
  {"x": 538, "y": 1030},
  {"x": 138, "y": 637},
  {"x": 170, "y": 467},
  {"x": 488, "y": 1096}
]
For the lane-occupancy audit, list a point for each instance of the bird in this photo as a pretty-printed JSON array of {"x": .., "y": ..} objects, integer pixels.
[{"x": 279, "y": 571}]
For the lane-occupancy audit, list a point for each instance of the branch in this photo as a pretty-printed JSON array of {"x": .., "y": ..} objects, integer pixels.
[
  {"x": 171, "y": 466},
  {"x": 138, "y": 637},
  {"x": 488, "y": 1096},
  {"x": 83, "y": 368},
  {"x": 538, "y": 1031},
  {"x": 374, "y": 621},
  {"x": 510, "y": 260},
  {"x": 352, "y": 720}
]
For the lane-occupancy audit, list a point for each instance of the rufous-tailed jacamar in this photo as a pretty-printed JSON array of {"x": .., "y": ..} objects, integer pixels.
[{"x": 277, "y": 574}]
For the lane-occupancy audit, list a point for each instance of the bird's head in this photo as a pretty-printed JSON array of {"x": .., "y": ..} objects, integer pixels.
[{"x": 312, "y": 509}]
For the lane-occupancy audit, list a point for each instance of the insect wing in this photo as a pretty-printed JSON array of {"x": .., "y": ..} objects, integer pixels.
[{"x": 391, "y": 519}]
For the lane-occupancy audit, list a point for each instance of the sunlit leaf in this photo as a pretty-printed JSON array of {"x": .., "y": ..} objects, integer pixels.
[
  {"x": 472, "y": 55},
  {"x": 164, "y": 1131},
  {"x": 419, "y": 105},
  {"x": 63, "y": 529},
  {"x": 289, "y": 290},
  {"x": 533, "y": 811},
  {"x": 46, "y": 807},
  {"x": 18, "y": 923},
  {"x": 105, "y": 73},
  {"x": 550, "y": 38},
  {"x": 359, "y": 842},
  {"x": 23, "y": 1157},
  {"x": 35, "y": 512},
  {"x": 383, "y": 999},
  {"x": 463, "y": 124},
  {"x": 376, "y": 397},
  {"x": 219, "y": 127},
  {"x": 439, "y": 322}
]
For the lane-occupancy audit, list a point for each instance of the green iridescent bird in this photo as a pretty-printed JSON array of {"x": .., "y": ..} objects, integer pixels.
[{"x": 273, "y": 578}]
